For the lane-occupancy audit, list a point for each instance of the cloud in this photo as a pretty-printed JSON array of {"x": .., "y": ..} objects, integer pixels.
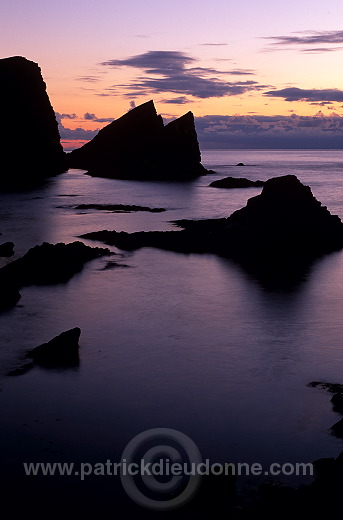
[
  {"x": 89, "y": 117},
  {"x": 299, "y": 94},
  {"x": 322, "y": 104},
  {"x": 76, "y": 133},
  {"x": 79, "y": 133},
  {"x": 320, "y": 50},
  {"x": 176, "y": 72},
  {"x": 181, "y": 100},
  {"x": 252, "y": 131},
  {"x": 155, "y": 62},
  {"x": 256, "y": 131},
  {"x": 59, "y": 116},
  {"x": 195, "y": 86},
  {"x": 214, "y": 44},
  {"x": 90, "y": 79},
  {"x": 233, "y": 72},
  {"x": 306, "y": 38},
  {"x": 309, "y": 37},
  {"x": 132, "y": 104},
  {"x": 92, "y": 117}
]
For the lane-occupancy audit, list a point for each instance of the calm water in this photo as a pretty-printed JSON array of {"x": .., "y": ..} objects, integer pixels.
[{"x": 189, "y": 342}]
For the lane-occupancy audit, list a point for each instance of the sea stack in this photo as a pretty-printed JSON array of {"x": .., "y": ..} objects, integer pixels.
[
  {"x": 30, "y": 142},
  {"x": 139, "y": 146}
]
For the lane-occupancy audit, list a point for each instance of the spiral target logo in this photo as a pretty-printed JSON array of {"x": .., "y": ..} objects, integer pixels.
[{"x": 153, "y": 469}]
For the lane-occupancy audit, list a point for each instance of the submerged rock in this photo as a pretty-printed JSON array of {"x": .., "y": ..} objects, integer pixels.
[
  {"x": 29, "y": 141},
  {"x": 6, "y": 249},
  {"x": 63, "y": 350},
  {"x": 139, "y": 146},
  {"x": 20, "y": 371},
  {"x": 276, "y": 236},
  {"x": 234, "y": 182}
]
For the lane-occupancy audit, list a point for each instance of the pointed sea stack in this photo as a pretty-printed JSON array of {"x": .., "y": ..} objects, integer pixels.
[
  {"x": 138, "y": 146},
  {"x": 29, "y": 138}
]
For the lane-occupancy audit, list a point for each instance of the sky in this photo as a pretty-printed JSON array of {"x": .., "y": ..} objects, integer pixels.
[{"x": 255, "y": 73}]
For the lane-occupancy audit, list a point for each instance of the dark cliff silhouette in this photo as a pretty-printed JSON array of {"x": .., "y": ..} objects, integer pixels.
[
  {"x": 29, "y": 138},
  {"x": 276, "y": 236},
  {"x": 139, "y": 146}
]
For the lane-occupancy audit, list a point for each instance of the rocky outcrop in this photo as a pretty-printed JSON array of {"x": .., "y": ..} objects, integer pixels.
[
  {"x": 236, "y": 182},
  {"x": 336, "y": 400},
  {"x": 44, "y": 265},
  {"x": 29, "y": 138},
  {"x": 119, "y": 208},
  {"x": 139, "y": 146},
  {"x": 276, "y": 236},
  {"x": 337, "y": 429},
  {"x": 50, "y": 263}
]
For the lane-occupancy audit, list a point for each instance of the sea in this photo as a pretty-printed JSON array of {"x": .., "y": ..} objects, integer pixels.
[{"x": 182, "y": 342}]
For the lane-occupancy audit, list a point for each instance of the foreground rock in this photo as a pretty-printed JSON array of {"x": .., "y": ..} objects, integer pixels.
[
  {"x": 234, "y": 182},
  {"x": 45, "y": 264},
  {"x": 63, "y": 350},
  {"x": 276, "y": 236},
  {"x": 6, "y": 249},
  {"x": 60, "y": 352},
  {"x": 318, "y": 500},
  {"x": 139, "y": 146},
  {"x": 29, "y": 141}
]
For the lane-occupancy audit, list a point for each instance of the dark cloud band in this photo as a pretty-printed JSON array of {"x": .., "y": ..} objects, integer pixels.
[
  {"x": 175, "y": 72},
  {"x": 295, "y": 132},
  {"x": 313, "y": 95},
  {"x": 307, "y": 41}
]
